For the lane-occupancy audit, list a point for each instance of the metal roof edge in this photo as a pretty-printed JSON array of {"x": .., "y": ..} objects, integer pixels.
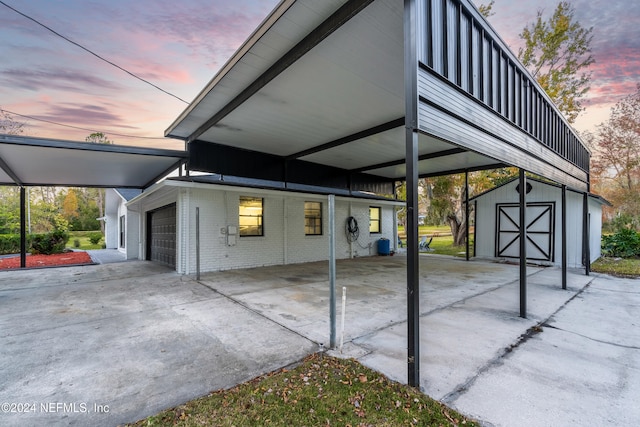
[
  {"x": 89, "y": 146},
  {"x": 189, "y": 182}
]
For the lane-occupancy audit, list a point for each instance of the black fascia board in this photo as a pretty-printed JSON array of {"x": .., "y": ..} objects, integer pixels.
[{"x": 226, "y": 160}]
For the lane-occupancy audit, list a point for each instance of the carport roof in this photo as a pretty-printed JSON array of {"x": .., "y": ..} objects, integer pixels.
[
  {"x": 327, "y": 90},
  {"x": 320, "y": 82},
  {"x": 28, "y": 161}
]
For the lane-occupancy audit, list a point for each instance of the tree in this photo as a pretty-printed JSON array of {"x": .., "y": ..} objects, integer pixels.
[
  {"x": 98, "y": 138},
  {"x": 10, "y": 126},
  {"x": 557, "y": 53},
  {"x": 616, "y": 162},
  {"x": 70, "y": 205},
  {"x": 486, "y": 10}
]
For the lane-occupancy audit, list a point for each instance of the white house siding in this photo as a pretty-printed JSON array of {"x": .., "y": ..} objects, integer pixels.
[
  {"x": 485, "y": 225},
  {"x": 284, "y": 239},
  {"x": 112, "y": 206},
  {"x": 133, "y": 235}
]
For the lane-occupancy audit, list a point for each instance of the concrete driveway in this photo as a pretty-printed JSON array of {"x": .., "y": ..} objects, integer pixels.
[
  {"x": 106, "y": 344},
  {"x": 574, "y": 361},
  {"x": 137, "y": 338}
]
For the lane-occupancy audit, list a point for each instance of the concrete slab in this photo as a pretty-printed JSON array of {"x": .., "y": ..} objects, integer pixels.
[
  {"x": 477, "y": 354},
  {"x": 106, "y": 256},
  {"x": 138, "y": 338},
  {"x": 582, "y": 369},
  {"x": 103, "y": 345}
]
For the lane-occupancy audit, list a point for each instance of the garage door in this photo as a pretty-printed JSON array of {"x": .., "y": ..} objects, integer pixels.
[
  {"x": 540, "y": 231},
  {"x": 161, "y": 235}
]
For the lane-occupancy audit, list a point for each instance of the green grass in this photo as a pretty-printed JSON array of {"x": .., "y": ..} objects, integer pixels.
[
  {"x": 427, "y": 230},
  {"x": 320, "y": 391},
  {"x": 83, "y": 236},
  {"x": 623, "y": 267},
  {"x": 442, "y": 243}
]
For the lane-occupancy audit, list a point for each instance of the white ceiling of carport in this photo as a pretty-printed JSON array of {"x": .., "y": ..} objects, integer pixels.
[
  {"x": 350, "y": 82},
  {"x": 38, "y": 161}
]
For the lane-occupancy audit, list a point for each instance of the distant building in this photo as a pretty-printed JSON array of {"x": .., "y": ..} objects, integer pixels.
[{"x": 497, "y": 224}]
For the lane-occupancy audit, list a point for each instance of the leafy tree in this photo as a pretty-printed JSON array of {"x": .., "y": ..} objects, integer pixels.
[
  {"x": 98, "y": 138},
  {"x": 10, "y": 126},
  {"x": 486, "y": 10},
  {"x": 70, "y": 205},
  {"x": 616, "y": 161},
  {"x": 557, "y": 53}
]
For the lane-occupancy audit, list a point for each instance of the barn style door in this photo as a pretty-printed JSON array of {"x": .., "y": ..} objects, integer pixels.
[{"x": 540, "y": 231}]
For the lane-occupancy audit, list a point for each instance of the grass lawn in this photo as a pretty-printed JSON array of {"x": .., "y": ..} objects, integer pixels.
[
  {"x": 83, "y": 237},
  {"x": 428, "y": 230},
  {"x": 320, "y": 391},
  {"x": 622, "y": 267},
  {"x": 442, "y": 242},
  {"x": 443, "y": 245}
]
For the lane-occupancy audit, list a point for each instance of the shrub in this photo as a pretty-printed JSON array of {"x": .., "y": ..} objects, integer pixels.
[
  {"x": 76, "y": 243},
  {"x": 49, "y": 243},
  {"x": 9, "y": 244},
  {"x": 624, "y": 244},
  {"x": 95, "y": 238}
]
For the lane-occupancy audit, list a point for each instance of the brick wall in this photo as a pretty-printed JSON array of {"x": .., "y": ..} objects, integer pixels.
[{"x": 284, "y": 239}]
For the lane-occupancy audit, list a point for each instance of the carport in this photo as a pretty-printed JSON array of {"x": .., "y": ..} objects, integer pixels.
[
  {"x": 27, "y": 161},
  {"x": 361, "y": 94}
]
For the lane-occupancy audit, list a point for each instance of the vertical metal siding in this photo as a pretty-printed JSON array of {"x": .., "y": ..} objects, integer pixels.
[
  {"x": 453, "y": 41},
  {"x": 456, "y": 46},
  {"x": 464, "y": 53},
  {"x": 437, "y": 30}
]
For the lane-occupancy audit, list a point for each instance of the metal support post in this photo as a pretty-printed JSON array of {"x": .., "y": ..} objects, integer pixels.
[
  {"x": 466, "y": 212},
  {"x": 23, "y": 229},
  {"x": 332, "y": 270},
  {"x": 411, "y": 161},
  {"x": 197, "y": 243},
  {"x": 564, "y": 237},
  {"x": 523, "y": 243},
  {"x": 586, "y": 248}
]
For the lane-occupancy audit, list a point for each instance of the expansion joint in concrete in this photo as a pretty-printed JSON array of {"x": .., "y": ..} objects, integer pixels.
[
  {"x": 246, "y": 307},
  {"x": 507, "y": 351}
]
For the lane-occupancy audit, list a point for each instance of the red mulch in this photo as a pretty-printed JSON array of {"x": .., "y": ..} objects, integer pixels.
[{"x": 70, "y": 258}]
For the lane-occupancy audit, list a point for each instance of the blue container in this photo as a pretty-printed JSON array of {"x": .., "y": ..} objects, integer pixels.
[{"x": 383, "y": 247}]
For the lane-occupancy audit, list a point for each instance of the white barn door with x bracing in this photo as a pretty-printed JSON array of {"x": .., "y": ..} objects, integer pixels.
[{"x": 540, "y": 231}]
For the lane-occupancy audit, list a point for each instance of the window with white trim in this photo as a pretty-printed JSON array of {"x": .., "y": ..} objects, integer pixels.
[{"x": 251, "y": 216}]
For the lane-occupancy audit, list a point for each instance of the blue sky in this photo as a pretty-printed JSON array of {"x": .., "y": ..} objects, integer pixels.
[{"x": 179, "y": 46}]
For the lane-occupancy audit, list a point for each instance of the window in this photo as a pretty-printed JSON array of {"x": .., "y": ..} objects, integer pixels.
[
  {"x": 313, "y": 218},
  {"x": 122, "y": 230},
  {"x": 374, "y": 219},
  {"x": 250, "y": 218}
]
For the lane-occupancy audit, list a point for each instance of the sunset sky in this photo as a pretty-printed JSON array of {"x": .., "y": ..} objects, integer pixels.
[{"x": 179, "y": 46}]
